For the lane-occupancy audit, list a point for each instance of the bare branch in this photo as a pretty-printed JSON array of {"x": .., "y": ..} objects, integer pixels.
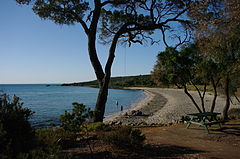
[
  {"x": 84, "y": 25},
  {"x": 176, "y": 17},
  {"x": 164, "y": 37},
  {"x": 186, "y": 39}
]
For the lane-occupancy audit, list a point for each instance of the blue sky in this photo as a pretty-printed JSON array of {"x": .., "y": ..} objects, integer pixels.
[{"x": 38, "y": 51}]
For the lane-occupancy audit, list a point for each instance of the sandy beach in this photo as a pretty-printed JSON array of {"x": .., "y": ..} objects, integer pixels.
[{"x": 164, "y": 106}]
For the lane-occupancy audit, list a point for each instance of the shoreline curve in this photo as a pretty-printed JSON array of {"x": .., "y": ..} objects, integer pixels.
[{"x": 164, "y": 106}]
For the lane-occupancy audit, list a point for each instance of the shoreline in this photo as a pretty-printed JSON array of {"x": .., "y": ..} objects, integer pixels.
[
  {"x": 147, "y": 105},
  {"x": 163, "y": 106},
  {"x": 138, "y": 105}
]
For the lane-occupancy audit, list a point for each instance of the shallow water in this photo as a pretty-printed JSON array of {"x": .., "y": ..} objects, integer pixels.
[{"x": 49, "y": 102}]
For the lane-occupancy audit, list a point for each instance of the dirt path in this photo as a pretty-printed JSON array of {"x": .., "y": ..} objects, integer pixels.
[{"x": 196, "y": 143}]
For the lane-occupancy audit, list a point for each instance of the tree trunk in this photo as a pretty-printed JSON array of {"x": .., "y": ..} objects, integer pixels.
[
  {"x": 215, "y": 94},
  {"x": 227, "y": 93},
  {"x": 101, "y": 100},
  {"x": 192, "y": 99},
  {"x": 103, "y": 84},
  {"x": 200, "y": 95}
]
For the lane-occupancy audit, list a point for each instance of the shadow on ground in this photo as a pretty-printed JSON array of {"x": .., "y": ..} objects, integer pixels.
[
  {"x": 231, "y": 128},
  {"x": 148, "y": 152},
  {"x": 227, "y": 129}
]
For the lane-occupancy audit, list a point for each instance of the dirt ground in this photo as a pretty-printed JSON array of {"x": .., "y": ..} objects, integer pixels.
[
  {"x": 175, "y": 142},
  {"x": 196, "y": 143}
]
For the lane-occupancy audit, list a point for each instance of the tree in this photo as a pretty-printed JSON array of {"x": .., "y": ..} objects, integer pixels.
[
  {"x": 217, "y": 30},
  {"x": 185, "y": 67},
  {"x": 132, "y": 21}
]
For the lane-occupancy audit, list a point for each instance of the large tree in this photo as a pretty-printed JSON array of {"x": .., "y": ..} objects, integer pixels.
[
  {"x": 217, "y": 30},
  {"x": 187, "y": 67},
  {"x": 132, "y": 21}
]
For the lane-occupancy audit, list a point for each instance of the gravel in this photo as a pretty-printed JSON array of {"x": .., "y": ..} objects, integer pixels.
[{"x": 165, "y": 106}]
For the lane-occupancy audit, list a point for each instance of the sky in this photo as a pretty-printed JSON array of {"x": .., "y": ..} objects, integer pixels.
[{"x": 36, "y": 51}]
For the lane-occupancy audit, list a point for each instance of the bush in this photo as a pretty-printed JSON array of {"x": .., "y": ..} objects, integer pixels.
[
  {"x": 51, "y": 142},
  {"x": 97, "y": 126},
  {"x": 16, "y": 134},
  {"x": 74, "y": 120},
  {"x": 125, "y": 137},
  {"x": 234, "y": 113}
]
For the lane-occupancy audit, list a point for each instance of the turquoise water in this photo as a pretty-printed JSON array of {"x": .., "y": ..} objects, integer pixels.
[{"x": 49, "y": 103}]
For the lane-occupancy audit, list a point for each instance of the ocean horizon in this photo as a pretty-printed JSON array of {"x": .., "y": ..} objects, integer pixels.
[{"x": 49, "y": 101}]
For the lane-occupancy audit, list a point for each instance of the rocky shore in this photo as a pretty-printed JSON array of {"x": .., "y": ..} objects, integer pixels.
[{"x": 163, "y": 107}]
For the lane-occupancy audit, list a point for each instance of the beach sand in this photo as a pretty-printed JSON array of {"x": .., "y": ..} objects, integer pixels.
[{"x": 165, "y": 106}]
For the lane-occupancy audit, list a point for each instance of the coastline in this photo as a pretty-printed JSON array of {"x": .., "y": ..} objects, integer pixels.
[
  {"x": 163, "y": 106},
  {"x": 147, "y": 105},
  {"x": 138, "y": 105}
]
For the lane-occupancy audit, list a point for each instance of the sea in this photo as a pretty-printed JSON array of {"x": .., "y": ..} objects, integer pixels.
[{"x": 48, "y": 102}]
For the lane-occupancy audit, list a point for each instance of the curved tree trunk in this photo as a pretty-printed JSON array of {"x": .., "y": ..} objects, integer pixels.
[
  {"x": 227, "y": 93},
  {"x": 215, "y": 93},
  {"x": 192, "y": 99},
  {"x": 103, "y": 84},
  {"x": 201, "y": 96}
]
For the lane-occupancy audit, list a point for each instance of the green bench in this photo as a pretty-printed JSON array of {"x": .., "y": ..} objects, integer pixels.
[{"x": 205, "y": 119}]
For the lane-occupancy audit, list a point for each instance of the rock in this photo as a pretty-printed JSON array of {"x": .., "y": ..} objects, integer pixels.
[{"x": 118, "y": 123}]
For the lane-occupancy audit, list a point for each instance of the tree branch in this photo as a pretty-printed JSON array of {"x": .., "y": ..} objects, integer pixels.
[
  {"x": 112, "y": 51},
  {"x": 84, "y": 25},
  {"x": 175, "y": 18},
  {"x": 190, "y": 96},
  {"x": 164, "y": 37},
  {"x": 113, "y": 2},
  {"x": 199, "y": 93}
]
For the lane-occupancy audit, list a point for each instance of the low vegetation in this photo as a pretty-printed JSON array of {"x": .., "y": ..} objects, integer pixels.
[
  {"x": 17, "y": 137},
  {"x": 125, "y": 138},
  {"x": 19, "y": 140}
]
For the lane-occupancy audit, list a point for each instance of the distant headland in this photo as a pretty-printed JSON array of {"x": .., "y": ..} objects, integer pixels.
[{"x": 120, "y": 82}]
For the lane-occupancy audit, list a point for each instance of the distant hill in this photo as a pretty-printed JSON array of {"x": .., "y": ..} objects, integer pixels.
[{"x": 120, "y": 82}]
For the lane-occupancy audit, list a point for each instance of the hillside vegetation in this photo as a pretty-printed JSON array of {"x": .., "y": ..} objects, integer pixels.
[{"x": 120, "y": 82}]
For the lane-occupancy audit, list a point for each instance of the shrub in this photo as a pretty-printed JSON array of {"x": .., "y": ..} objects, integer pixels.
[
  {"x": 16, "y": 134},
  {"x": 19, "y": 140},
  {"x": 97, "y": 126},
  {"x": 76, "y": 122},
  {"x": 72, "y": 121},
  {"x": 51, "y": 142},
  {"x": 125, "y": 137}
]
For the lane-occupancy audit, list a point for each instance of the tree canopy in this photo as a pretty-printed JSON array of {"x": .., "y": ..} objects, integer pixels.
[
  {"x": 217, "y": 32},
  {"x": 187, "y": 67},
  {"x": 132, "y": 21}
]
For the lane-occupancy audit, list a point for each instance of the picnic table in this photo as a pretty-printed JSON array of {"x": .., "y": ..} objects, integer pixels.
[{"x": 205, "y": 119}]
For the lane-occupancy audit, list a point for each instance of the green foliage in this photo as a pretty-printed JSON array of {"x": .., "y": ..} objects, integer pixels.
[
  {"x": 19, "y": 140},
  {"x": 217, "y": 33},
  {"x": 183, "y": 67},
  {"x": 188, "y": 67},
  {"x": 125, "y": 138},
  {"x": 16, "y": 134},
  {"x": 61, "y": 11},
  {"x": 51, "y": 142},
  {"x": 72, "y": 121},
  {"x": 174, "y": 67},
  {"x": 97, "y": 126}
]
